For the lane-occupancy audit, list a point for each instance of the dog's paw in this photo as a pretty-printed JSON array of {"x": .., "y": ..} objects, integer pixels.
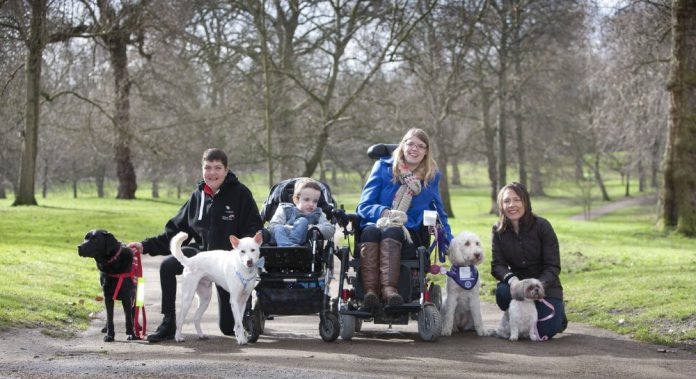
[
  {"x": 178, "y": 337},
  {"x": 202, "y": 336},
  {"x": 132, "y": 337},
  {"x": 108, "y": 338},
  {"x": 513, "y": 338},
  {"x": 446, "y": 332},
  {"x": 242, "y": 338}
]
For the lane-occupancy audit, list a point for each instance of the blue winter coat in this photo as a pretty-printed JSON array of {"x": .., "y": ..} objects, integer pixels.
[{"x": 379, "y": 191}]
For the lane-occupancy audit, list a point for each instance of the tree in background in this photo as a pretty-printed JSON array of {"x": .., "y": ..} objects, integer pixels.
[
  {"x": 679, "y": 192},
  {"x": 30, "y": 22}
]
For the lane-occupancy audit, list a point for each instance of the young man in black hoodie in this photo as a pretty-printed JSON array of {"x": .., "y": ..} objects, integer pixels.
[{"x": 221, "y": 206}]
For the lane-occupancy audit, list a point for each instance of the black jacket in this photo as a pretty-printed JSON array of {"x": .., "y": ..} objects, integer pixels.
[
  {"x": 533, "y": 253},
  {"x": 231, "y": 211}
]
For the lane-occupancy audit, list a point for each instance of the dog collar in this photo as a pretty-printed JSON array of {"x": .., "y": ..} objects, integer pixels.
[
  {"x": 259, "y": 264},
  {"x": 465, "y": 276},
  {"x": 115, "y": 257}
]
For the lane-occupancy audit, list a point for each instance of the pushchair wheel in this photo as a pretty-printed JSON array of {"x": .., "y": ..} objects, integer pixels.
[
  {"x": 429, "y": 323},
  {"x": 254, "y": 322},
  {"x": 329, "y": 327},
  {"x": 348, "y": 327}
]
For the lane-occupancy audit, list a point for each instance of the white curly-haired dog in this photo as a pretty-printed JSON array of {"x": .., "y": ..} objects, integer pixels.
[
  {"x": 462, "y": 306},
  {"x": 520, "y": 319}
]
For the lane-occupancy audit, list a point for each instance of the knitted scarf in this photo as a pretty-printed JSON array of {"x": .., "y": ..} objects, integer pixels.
[{"x": 410, "y": 187}]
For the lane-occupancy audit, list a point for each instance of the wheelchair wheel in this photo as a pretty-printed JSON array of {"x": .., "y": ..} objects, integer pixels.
[
  {"x": 348, "y": 327},
  {"x": 429, "y": 323},
  {"x": 329, "y": 327},
  {"x": 358, "y": 324},
  {"x": 436, "y": 296},
  {"x": 254, "y": 322}
]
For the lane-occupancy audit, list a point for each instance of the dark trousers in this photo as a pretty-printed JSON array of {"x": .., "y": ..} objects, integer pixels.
[
  {"x": 169, "y": 269},
  {"x": 547, "y": 328}
]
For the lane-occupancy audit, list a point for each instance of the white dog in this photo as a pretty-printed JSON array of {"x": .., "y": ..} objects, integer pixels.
[
  {"x": 521, "y": 318},
  {"x": 462, "y": 306},
  {"x": 235, "y": 271}
]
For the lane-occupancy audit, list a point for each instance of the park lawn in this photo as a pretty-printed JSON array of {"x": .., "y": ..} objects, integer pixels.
[{"x": 618, "y": 272}]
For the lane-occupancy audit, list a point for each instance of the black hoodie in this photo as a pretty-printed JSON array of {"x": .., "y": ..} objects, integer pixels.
[{"x": 230, "y": 211}]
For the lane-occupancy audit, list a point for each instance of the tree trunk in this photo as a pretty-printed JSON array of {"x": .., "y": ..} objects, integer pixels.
[
  {"x": 318, "y": 153},
  {"x": 124, "y": 167},
  {"x": 641, "y": 176},
  {"x": 443, "y": 163},
  {"x": 536, "y": 183},
  {"x": 35, "y": 46},
  {"x": 99, "y": 180},
  {"x": 502, "y": 97},
  {"x": 44, "y": 180},
  {"x": 502, "y": 123},
  {"x": 628, "y": 184},
  {"x": 489, "y": 135},
  {"x": 517, "y": 101},
  {"x": 655, "y": 163},
  {"x": 678, "y": 195},
  {"x": 599, "y": 180},
  {"x": 155, "y": 189},
  {"x": 456, "y": 177}
]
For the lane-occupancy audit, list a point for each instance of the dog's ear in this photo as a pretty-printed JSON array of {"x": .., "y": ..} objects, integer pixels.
[
  {"x": 112, "y": 245},
  {"x": 258, "y": 237},
  {"x": 234, "y": 241},
  {"x": 518, "y": 290}
]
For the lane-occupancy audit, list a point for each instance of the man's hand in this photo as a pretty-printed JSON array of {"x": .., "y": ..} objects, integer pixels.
[{"x": 136, "y": 246}]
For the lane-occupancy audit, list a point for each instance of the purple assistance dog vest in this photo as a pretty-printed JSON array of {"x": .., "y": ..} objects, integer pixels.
[{"x": 465, "y": 276}]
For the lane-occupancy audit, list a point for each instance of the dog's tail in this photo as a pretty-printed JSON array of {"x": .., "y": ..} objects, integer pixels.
[{"x": 175, "y": 247}]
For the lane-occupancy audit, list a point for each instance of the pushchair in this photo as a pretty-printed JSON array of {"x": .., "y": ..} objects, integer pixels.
[
  {"x": 422, "y": 300},
  {"x": 296, "y": 279}
]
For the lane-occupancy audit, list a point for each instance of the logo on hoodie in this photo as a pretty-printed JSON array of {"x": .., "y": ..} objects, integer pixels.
[{"x": 228, "y": 214}]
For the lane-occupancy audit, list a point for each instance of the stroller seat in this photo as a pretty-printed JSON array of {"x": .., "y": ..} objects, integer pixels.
[{"x": 295, "y": 279}]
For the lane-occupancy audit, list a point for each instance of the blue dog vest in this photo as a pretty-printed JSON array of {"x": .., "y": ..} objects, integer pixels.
[{"x": 465, "y": 276}]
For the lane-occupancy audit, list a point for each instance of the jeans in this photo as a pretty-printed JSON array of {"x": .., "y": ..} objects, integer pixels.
[
  {"x": 295, "y": 236},
  {"x": 547, "y": 328}
]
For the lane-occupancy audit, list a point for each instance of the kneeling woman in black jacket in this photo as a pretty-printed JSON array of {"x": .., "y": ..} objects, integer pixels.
[{"x": 525, "y": 246}]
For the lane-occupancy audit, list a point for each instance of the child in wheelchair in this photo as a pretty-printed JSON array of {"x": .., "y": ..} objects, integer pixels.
[{"x": 291, "y": 222}]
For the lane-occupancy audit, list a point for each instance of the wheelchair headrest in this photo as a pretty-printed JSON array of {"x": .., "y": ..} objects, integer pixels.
[
  {"x": 381, "y": 150},
  {"x": 282, "y": 193}
]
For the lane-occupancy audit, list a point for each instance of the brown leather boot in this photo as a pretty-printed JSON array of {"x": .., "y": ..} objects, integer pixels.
[
  {"x": 369, "y": 269},
  {"x": 390, "y": 267}
]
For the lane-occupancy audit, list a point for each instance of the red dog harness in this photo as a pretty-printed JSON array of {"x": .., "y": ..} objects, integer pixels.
[{"x": 136, "y": 276}]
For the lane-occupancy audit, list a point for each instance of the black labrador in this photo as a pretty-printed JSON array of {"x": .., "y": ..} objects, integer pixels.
[{"x": 113, "y": 258}]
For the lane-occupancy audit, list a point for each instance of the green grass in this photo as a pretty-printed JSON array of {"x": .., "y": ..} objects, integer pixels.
[{"x": 619, "y": 272}]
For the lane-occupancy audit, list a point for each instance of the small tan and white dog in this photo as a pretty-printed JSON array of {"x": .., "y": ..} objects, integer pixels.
[
  {"x": 520, "y": 319},
  {"x": 236, "y": 271},
  {"x": 462, "y": 306}
]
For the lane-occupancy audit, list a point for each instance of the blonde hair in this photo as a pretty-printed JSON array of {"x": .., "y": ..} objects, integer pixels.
[
  {"x": 303, "y": 183},
  {"x": 427, "y": 168}
]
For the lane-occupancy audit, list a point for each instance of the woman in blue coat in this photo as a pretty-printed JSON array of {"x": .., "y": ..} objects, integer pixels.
[{"x": 391, "y": 209}]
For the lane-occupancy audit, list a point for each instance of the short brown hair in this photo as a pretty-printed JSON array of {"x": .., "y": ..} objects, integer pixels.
[
  {"x": 215, "y": 154},
  {"x": 303, "y": 183}
]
